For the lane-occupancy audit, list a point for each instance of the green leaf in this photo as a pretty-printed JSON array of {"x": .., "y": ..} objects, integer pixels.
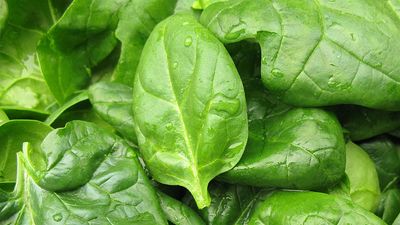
[
  {"x": 189, "y": 106},
  {"x": 288, "y": 147},
  {"x": 363, "y": 182},
  {"x": 395, "y": 133},
  {"x": 389, "y": 205},
  {"x": 3, "y": 14},
  {"x": 113, "y": 103},
  {"x": 83, "y": 174},
  {"x": 386, "y": 156},
  {"x": 364, "y": 123},
  {"x": 202, "y": 4},
  {"x": 397, "y": 220},
  {"x": 177, "y": 212},
  {"x": 183, "y": 6},
  {"x": 13, "y": 134},
  {"x": 89, "y": 32},
  {"x": 83, "y": 96},
  {"x": 293, "y": 207},
  {"x": 3, "y": 116},
  {"x": 77, "y": 108},
  {"x": 317, "y": 53},
  {"x": 22, "y": 86},
  {"x": 230, "y": 204}
]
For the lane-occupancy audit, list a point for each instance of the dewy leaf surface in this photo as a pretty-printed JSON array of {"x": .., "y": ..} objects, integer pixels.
[
  {"x": 89, "y": 32},
  {"x": 288, "y": 147},
  {"x": 83, "y": 174},
  {"x": 189, "y": 106},
  {"x": 319, "y": 52},
  {"x": 22, "y": 86}
]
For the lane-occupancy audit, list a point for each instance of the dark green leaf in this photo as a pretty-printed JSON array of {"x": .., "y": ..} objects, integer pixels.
[
  {"x": 88, "y": 32},
  {"x": 113, "y": 103},
  {"x": 364, "y": 123},
  {"x": 389, "y": 206},
  {"x": 386, "y": 156},
  {"x": 230, "y": 204},
  {"x": 3, "y": 14}
]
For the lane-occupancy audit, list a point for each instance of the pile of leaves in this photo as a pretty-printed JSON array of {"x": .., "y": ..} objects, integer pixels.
[{"x": 209, "y": 112}]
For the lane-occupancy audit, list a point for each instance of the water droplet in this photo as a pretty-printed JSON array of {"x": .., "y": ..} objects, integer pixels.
[
  {"x": 225, "y": 105},
  {"x": 57, "y": 217},
  {"x": 277, "y": 73},
  {"x": 264, "y": 60},
  {"x": 188, "y": 41},
  {"x": 332, "y": 82},
  {"x": 169, "y": 126},
  {"x": 175, "y": 65},
  {"x": 185, "y": 23}
]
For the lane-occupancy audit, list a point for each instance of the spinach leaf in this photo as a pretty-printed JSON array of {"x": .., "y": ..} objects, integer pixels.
[
  {"x": 88, "y": 32},
  {"x": 113, "y": 103},
  {"x": 12, "y": 208},
  {"x": 317, "y": 53},
  {"x": 83, "y": 174},
  {"x": 395, "y": 133},
  {"x": 3, "y": 14},
  {"x": 58, "y": 7},
  {"x": 386, "y": 156},
  {"x": 189, "y": 106},
  {"x": 22, "y": 87},
  {"x": 177, "y": 212},
  {"x": 183, "y": 6},
  {"x": 230, "y": 204},
  {"x": 389, "y": 205},
  {"x": 288, "y": 147},
  {"x": 67, "y": 105},
  {"x": 397, "y": 220},
  {"x": 13, "y": 134},
  {"x": 362, "y": 183},
  {"x": 293, "y": 207},
  {"x": 363, "y": 123},
  {"x": 77, "y": 108}
]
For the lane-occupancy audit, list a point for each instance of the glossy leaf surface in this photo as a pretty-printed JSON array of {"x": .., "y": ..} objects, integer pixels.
[
  {"x": 318, "y": 53},
  {"x": 190, "y": 115},
  {"x": 89, "y": 32}
]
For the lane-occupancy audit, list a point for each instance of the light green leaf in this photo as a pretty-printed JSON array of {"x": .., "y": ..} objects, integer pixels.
[{"x": 189, "y": 106}]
